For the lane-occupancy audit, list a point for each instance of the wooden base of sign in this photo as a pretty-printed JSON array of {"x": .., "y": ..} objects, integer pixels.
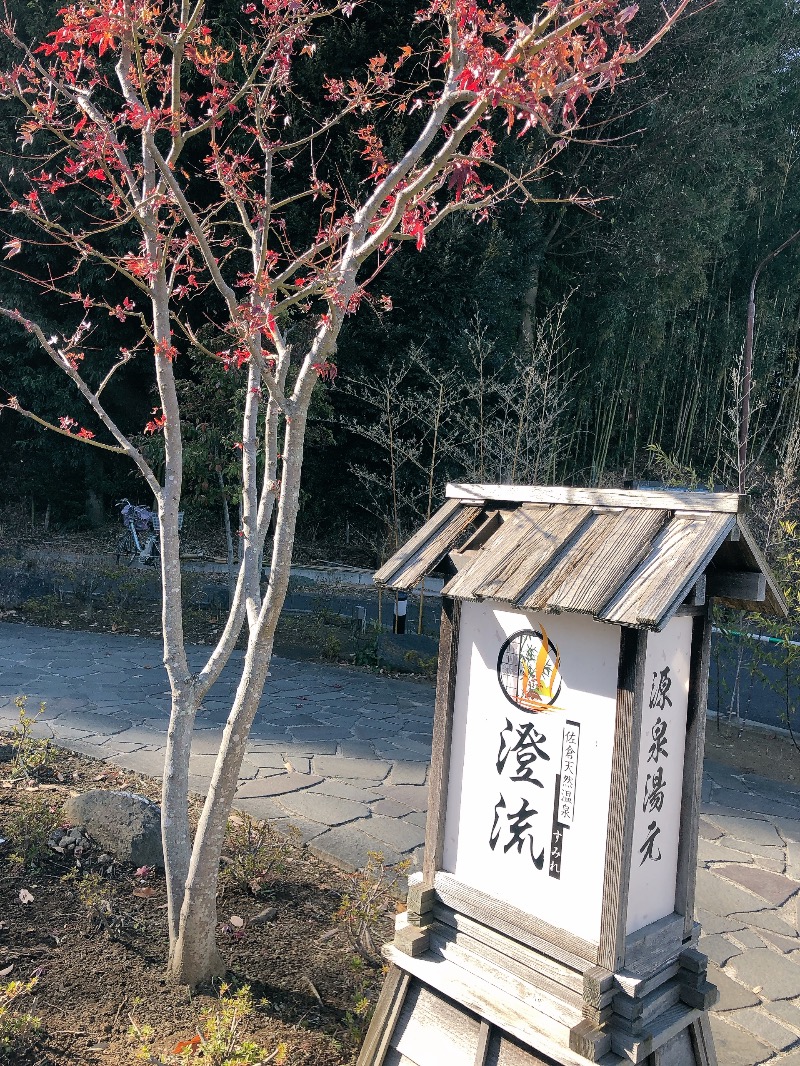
[{"x": 460, "y": 993}]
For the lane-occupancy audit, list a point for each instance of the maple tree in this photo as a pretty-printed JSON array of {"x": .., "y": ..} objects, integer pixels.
[{"x": 181, "y": 163}]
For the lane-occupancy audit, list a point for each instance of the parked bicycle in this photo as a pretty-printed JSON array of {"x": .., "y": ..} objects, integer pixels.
[{"x": 141, "y": 540}]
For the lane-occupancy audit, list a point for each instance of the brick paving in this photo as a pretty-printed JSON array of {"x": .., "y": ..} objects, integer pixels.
[{"x": 342, "y": 756}]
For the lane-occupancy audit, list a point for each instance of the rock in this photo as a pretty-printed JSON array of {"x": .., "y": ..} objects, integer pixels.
[
  {"x": 123, "y": 823},
  {"x": 6, "y": 752}
]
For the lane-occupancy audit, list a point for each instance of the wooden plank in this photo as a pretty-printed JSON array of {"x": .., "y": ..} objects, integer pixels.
[
  {"x": 557, "y": 972},
  {"x": 384, "y": 1019},
  {"x": 595, "y": 566},
  {"x": 775, "y": 602},
  {"x": 543, "y": 535},
  {"x": 703, "y": 1042},
  {"x": 492, "y": 554},
  {"x": 693, "y": 770},
  {"x": 633, "y": 984},
  {"x": 526, "y": 1024},
  {"x": 545, "y": 995},
  {"x": 651, "y": 1005},
  {"x": 637, "y": 1048},
  {"x": 737, "y": 585},
  {"x": 394, "y": 1058},
  {"x": 505, "y": 1051},
  {"x": 557, "y": 943},
  {"x": 439, "y": 772},
  {"x": 724, "y": 502},
  {"x": 427, "y": 547},
  {"x": 697, "y": 593},
  {"x": 676, "y": 1052},
  {"x": 652, "y": 946},
  {"x": 679, "y": 555},
  {"x": 483, "y": 1044},
  {"x": 627, "y": 730},
  {"x": 432, "y": 1030},
  {"x": 507, "y": 983}
]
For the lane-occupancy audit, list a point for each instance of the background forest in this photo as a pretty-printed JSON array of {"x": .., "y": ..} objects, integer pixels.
[{"x": 587, "y": 339}]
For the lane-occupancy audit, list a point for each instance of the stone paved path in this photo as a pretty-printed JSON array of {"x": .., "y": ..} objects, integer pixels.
[{"x": 342, "y": 756}]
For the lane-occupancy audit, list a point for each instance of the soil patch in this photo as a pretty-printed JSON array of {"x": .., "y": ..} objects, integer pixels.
[
  {"x": 93, "y": 933},
  {"x": 753, "y": 751}
]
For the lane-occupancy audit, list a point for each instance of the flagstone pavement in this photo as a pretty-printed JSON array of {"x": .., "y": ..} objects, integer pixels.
[{"x": 342, "y": 756}]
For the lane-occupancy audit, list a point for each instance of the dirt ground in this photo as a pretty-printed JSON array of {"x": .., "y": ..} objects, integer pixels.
[
  {"x": 94, "y": 935},
  {"x": 753, "y": 751}
]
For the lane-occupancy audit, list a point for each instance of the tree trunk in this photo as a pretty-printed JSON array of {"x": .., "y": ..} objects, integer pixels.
[{"x": 194, "y": 956}]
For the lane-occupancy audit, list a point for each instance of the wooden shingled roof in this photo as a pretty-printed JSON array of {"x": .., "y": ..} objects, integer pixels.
[{"x": 627, "y": 557}]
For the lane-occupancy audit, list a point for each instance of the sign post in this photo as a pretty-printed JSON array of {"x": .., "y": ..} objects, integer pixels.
[{"x": 552, "y": 921}]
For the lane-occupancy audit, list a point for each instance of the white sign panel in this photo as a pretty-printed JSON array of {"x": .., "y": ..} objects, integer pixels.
[
  {"x": 656, "y": 827},
  {"x": 530, "y": 768}
]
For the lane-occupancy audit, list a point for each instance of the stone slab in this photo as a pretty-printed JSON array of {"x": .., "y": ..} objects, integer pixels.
[
  {"x": 356, "y": 749},
  {"x": 328, "y": 810},
  {"x": 716, "y": 852},
  {"x": 717, "y": 948},
  {"x": 714, "y": 923},
  {"x": 765, "y": 1028},
  {"x": 272, "y": 760},
  {"x": 391, "y": 808},
  {"x": 333, "y": 786},
  {"x": 722, "y": 897},
  {"x": 400, "y": 835},
  {"x": 784, "y": 944},
  {"x": 277, "y": 785},
  {"x": 408, "y": 773},
  {"x": 263, "y": 808},
  {"x": 744, "y": 801},
  {"x": 776, "y": 975},
  {"x": 735, "y": 1047},
  {"x": 143, "y": 762},
  {"x": 789, "y": 828},
  {"x": 747, "y": 938},
  {"x": 419, "y": 818},
  {"x": 732, "y": 996},
  {"x": 415, "y": 797},
  {"x": 774, "y": 888},
  {"x": 349, "y": 848},
  {"x": 788, "y": 1013},
  {"x": 338, "y": 766},
  {"x": 767, "y": 919},
  {"x": 756, "y": 830}
]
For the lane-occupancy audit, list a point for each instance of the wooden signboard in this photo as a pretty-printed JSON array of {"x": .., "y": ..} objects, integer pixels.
[{"x": 552, "y": 921}]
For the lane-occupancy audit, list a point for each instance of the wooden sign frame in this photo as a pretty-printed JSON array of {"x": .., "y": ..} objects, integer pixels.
[{"x": 530, "y": 993}]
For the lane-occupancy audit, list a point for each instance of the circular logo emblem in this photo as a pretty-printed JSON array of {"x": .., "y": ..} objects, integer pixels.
[{"x": 527, "y": 669}]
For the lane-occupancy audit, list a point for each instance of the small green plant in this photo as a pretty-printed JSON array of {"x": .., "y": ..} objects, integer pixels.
[
  {"x": 422, "y": 664},
  {"x": 30, "y": 754},
  {"x": 220, "y": 1043},
  {"x": 254, "y": 855},
  {"x": 16, "y": 1027},
  {"x": 29, "y": 826},
  {"x": 369, "y": 654},
  {"x": 358, "y": 1016},
  {"x": 372, "y": 896},
  {"x": 331, "y": 648}
]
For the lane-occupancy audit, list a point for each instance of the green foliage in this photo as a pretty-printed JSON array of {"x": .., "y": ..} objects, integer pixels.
[
  {"x": 422, "y": 664},
  {"x": 254, "y": 855},
  {"x": 29, "y": 825},
  {"x": 220, "y": 1042},
  {"x": 365, "y": 908},
  {"x": 30, "y": 754},
  {"x": 358, "y": 1016},
  {"x": 16, "y": 1027}
]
